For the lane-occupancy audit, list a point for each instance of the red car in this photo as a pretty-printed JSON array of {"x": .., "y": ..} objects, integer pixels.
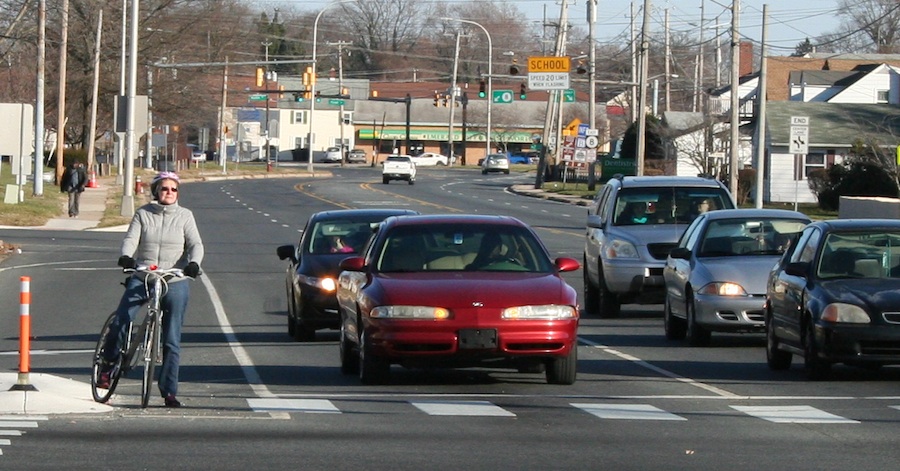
[{"x": 457, "y": 291}]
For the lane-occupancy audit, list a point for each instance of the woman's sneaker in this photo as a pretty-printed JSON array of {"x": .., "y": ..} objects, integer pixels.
[
  {"x": 106, "y": 369},
  {"x": 171, "y": 401}
]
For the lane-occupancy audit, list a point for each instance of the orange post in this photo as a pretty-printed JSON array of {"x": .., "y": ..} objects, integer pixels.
[{"x": 24, "y": 334}]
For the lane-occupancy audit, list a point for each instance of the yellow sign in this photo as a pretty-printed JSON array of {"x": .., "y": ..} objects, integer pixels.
[{"x": 549, "y": 64}]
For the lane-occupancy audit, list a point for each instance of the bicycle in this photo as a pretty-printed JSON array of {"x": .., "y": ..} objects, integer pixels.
[{"x": 143, "y": 342}]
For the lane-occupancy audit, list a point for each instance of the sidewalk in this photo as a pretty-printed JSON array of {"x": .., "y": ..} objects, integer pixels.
[{"x": 51, "y": 395}]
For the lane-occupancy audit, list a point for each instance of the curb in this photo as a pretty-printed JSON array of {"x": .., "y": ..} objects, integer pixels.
[{"x": 530, "y": 191}]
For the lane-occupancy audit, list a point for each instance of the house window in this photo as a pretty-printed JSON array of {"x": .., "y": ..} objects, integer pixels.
[
  {"x": 813, "y": 162},
  {"x": 299, "y": 117},
  {"x": 881, "y": 96}
]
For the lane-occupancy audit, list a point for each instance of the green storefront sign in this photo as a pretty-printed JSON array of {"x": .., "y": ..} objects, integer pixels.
[
  {"x": 440, "y": 135},
  {"x": 611, "y": 166}
]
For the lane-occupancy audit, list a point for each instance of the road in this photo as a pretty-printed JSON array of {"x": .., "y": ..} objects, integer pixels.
[{"x": 255, "y": 398}]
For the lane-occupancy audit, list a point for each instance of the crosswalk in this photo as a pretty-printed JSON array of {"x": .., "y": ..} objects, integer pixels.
[
  {"x": 12, "y": 426},
  {"x": 781, "y": 414}
]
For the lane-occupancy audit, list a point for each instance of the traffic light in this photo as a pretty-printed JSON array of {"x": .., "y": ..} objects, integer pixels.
[
  {"x": 523, "y": 92},
  {"x": 260, "y": 76},
  {"x": 437, "y": 99},
  {"x": 581, "y": 69},
  {"x": 481, "y": 89},
  {"x": 514, "y": 68}
]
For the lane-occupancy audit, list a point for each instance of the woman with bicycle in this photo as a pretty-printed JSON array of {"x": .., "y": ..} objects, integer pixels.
[{"x": 162, "y": 234}]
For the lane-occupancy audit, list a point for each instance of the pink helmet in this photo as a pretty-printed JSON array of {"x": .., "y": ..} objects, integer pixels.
[{"x": 154, "y": 185}]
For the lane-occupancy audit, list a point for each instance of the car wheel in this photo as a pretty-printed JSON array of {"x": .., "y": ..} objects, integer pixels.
[
  {"x": 675, "y": 327},
  {"x": 777, "y": 359},
  {"x": 412, "y": 182},
  {"x": 610, "y": 307},
  {"x": 564, "y": 369},
  {"x": 697, "y": 335},
  {"x": 591, "y": 292},
  {"x": 484, "y": 172},
  {"x": 816, "y": 368},
  {"x": 506, "y": 172},
  {"x": 372, "y": 369},
  {"x": 349, "y": 357},
  {"x": 302, "y": 332},
  {"x": 291, "y": 320},
  {"x": 385, "y": 180}
]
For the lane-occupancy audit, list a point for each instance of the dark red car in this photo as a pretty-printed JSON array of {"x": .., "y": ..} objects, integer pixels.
[{"x": 457, "y": 291}]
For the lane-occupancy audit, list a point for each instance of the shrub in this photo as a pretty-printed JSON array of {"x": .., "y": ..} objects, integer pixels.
[{"x": 854, "y": 178}]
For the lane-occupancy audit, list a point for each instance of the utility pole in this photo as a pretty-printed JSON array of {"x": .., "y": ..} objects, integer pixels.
[
  {"x": 761, "y": 109},
  {"x": 634, "y": 67},
  {"x": 735, "y": 99},
  {"x": 698, "y": 82},
  {"x": 61, "y": 115},
  {"x": 94, "y": 92},
  {"x": 552, "y": 102},
  {"x": 642, "y": 85},
  {"x": 592, "y": 63},
  {"x": 223, "y": 148},
  {"x": 668, "y": 61},
  {"x": 340, "y": 45},
  {"x": 452, "y": 100},
  {"x": 39, "y": 103},
  {"x": 266, "y": 77}
]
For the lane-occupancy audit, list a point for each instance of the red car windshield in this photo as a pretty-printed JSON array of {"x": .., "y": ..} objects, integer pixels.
[{"x": 476, "y": 247}]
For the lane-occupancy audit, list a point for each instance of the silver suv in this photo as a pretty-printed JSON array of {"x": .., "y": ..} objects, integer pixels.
[{"x": 631, "y": 226}]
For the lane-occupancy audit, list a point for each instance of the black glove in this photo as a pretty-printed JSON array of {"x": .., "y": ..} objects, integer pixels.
[
  {"x": 127, "y": 262},
  {"x": 192, "y": 270}
]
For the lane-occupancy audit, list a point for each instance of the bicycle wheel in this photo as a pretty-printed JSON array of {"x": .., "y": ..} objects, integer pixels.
[
  {"x": 151, "y": 347},
  {"x": 100, "y": 394}
]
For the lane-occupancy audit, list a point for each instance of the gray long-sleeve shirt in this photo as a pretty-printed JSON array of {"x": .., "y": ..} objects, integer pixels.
[{"x": 163, "y": 235}]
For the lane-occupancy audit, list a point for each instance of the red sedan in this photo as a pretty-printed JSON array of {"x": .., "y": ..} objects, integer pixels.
[{"x": 457, "y": 291}]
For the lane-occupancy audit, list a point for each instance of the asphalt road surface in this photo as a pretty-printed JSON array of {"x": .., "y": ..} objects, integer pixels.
[{"x": 254, "y": 399}]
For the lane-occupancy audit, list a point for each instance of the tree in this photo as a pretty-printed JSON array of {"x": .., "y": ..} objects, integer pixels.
[
  {"x": 867, "y": 26},
  {"x": 803, "y": 48}
]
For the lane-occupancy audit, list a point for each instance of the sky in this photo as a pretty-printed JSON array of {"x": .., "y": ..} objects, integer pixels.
[{"x": 790, "y": 21}]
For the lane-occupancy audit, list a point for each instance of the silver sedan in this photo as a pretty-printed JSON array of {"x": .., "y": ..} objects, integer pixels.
[{"x": 716, "y": 276}]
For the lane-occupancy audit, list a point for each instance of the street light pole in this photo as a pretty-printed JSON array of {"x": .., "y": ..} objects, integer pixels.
[
  {"x": 312, "y": 85},
  {"x": 490, "y": 94},
  {"x": 642, "y": 83}
]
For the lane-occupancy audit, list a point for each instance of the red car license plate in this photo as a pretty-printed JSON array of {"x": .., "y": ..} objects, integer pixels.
[{"x": 477, "y": 338}]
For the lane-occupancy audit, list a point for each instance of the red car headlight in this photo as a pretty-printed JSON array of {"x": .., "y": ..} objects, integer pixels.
[
  {"x": 551, "y": 312},
  {"x": 410, "y": 312}
]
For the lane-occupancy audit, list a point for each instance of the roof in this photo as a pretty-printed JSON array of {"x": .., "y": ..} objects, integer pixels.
[
  {"x": 666, "y": 180},
  {"x": 431, "y": 219},
  {"x": 820, "y": 77},
  {"x": 780, "y": 67},
  {"x": 855, "y": 224},
  {"x": 756, "y": 213},
  {"x": 834, "y": 125},
  {"x": 362, "y": 214}
]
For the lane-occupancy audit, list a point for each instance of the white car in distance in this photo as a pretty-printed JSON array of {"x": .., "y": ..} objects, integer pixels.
[{"x": 430, "y": 159}]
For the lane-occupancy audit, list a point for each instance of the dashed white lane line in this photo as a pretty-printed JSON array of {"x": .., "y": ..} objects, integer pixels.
[{"x": 661, "y": 371}]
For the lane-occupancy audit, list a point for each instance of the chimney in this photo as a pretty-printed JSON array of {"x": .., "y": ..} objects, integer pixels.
[{"x": 746, "y": 53}]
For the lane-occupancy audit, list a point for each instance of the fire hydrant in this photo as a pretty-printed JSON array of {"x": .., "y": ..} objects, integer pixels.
[
  {"x": 138, "y": 186},
  {"x": 268, "y": 165}
]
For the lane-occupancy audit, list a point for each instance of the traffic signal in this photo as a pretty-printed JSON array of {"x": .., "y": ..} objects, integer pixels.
[
  {"x": 523, "y": 92},
  {"x": 481, "y": 89},
  {"x": 514, "y": 68},
  {"x": 437, "y": 99},
  {"x": 581, "y": 69},
  {"x": 260, "y": 76}
]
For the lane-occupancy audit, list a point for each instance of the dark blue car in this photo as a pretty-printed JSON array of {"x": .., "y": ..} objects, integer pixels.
[{"x": 835, "y": 297}]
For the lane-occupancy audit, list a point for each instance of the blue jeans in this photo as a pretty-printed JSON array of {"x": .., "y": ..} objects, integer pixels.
[{"x": 173, "y": 304}]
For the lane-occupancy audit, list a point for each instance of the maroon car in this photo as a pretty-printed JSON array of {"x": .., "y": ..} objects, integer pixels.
[{"x": 457, "y": 291}]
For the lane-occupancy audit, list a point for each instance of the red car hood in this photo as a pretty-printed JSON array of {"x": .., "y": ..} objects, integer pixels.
[{"x": 464, "y": 290}]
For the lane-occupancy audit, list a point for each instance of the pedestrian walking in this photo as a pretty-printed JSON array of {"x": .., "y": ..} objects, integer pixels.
[{"x": 73, "y": 181}]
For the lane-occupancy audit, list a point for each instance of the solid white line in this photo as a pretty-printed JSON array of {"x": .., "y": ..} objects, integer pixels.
[
  {"x": 664, "y": 372},
  {"x": 243, "y": 358}
]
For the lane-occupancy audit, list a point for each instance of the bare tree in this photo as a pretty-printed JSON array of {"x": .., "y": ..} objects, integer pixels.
[{"x": 866, "y": 26}]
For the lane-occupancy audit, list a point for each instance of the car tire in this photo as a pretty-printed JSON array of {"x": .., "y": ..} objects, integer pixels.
[
  {"x": 412, "y": 181},
  {"x": 776, "y": 359},
  {"x": 610, "y": 307},
  {"x": 302, "y": 332},
  {"x": 385, "y": 180},
  {"x": 675, "y": 327},
  {"x": 484, "y": 172},
  {"x": 506, "y": 172},
  {"x": 591, "y": 292},
  {"x": 291, "y": 320},
  {"x": 697, "y": 335},
  {"x": 349, "y": 357},
  {"x": 816, "y": 368},
  {"x": 563, "y": 370},
  {"x": 372, "y": 369}
]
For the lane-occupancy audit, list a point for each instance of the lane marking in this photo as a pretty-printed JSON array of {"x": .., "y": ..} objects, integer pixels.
[
  {"x": 309, "y": 406},
  {"x": 661, "y": 371},
  {"x": 793, "y": 415},
  {"x": 627, "y": 412},
  {"x": 462, "y": 408}
]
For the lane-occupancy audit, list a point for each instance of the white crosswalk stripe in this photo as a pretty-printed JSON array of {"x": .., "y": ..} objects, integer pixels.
[
  {"x": 794, "y": 415},
  {"x": 627, "y": 411},
  {"x": 462, "y": 408},
  {"x": 804, "y": 414},
  {"x": 10, "y": 426}
]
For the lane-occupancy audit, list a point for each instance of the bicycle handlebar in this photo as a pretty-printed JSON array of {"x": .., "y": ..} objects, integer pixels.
[{"x": 152, "y": 269}]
